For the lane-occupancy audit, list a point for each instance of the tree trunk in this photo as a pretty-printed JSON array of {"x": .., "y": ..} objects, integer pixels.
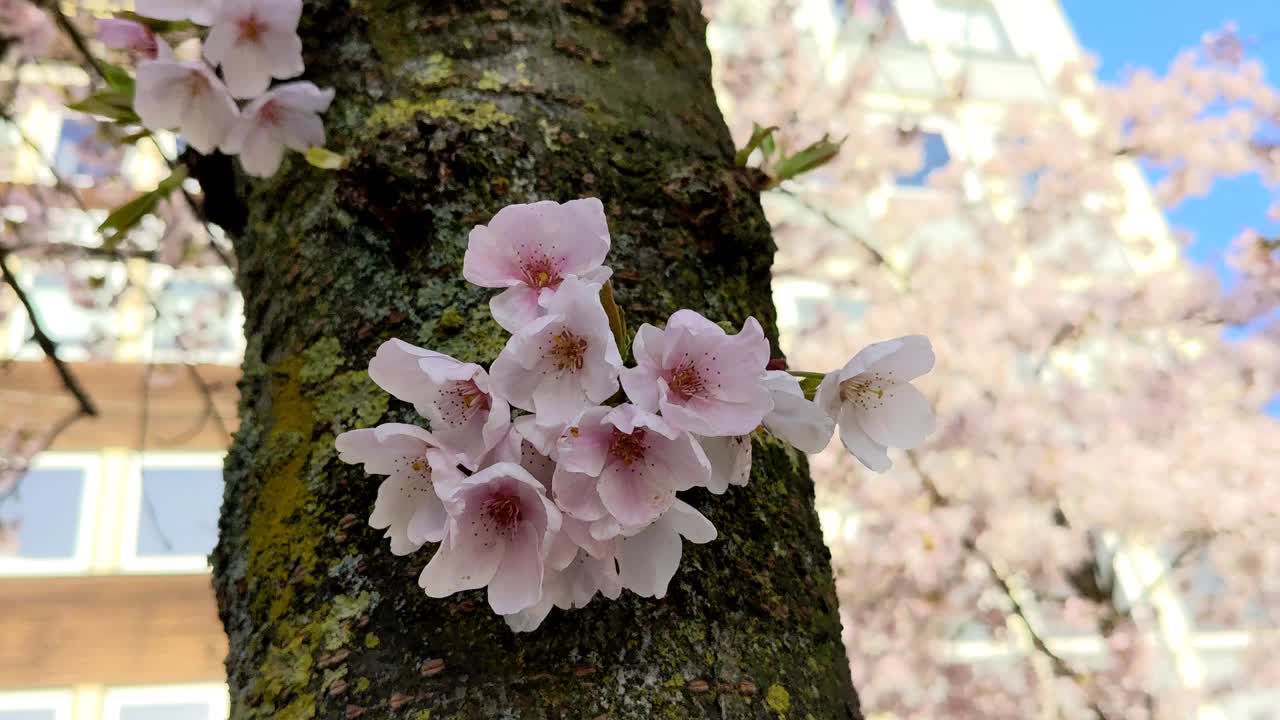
[{"x": 449, "y": 111}]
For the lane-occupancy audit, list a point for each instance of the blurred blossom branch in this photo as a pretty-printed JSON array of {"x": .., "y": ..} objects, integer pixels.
[{"x": 87, "y": 408}]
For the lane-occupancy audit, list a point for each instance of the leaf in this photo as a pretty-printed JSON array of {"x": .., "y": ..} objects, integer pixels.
[
  {"x": 814, "y": 156},
  {"x": 113, "y": 104},
  {"x": 127, "y": 216},
  {"x": 326, "y": 159},
  {"x": 759, "y": 135},
  {"x": 117, "y": 78},
  {"x": 617, "y": 323},
  {"x": 157, "y": 26}
]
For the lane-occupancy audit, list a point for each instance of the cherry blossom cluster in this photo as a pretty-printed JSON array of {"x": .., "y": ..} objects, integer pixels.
[
  {"x": 578, "y": 494},
  {"x": 252, "y": 42}
]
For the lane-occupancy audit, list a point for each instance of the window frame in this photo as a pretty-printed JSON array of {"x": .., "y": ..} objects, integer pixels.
[
  {"x": 215, "y": 695},
  {"x": 59, "y": 701},
  {"x": 130, "y": 561},
  {"x": 90, "y": 466}
]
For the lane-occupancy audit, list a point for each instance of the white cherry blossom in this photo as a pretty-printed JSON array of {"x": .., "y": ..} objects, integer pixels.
[
  {"x": 874, "y": 402},
  {"x": 182, "y": 95},
  {"x": 793, "y": 418},
  {"x": 418, "y": 470},
  {"x": 455, "y": 397}
]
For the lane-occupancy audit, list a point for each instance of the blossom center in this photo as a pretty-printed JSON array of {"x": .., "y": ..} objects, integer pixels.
[
  {"x": 251, "y": 29},
  {"x": 629, "y": 448},
  {"x": 540, "y": 272},
  {"x": 269, "y": 113},
  {"x": 502, "y": 510},
  {"x": 686, "y": 381},
  {"x": 863, "y": 390},
  {"x": 462, "y": 400},
  {"x": 568, "y": 350}
]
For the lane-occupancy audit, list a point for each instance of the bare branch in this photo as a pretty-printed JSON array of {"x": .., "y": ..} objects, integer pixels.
[{"x": 46, "y": 343}]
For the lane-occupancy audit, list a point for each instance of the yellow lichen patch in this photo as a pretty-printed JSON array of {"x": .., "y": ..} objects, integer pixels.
[
  {"x": 433, "y": 71},
  {"x": 401, "y": 112},
  {"x": 778, "y": 699},
  {"x": 490, "y": 80},
  {"x": 282, "y": 537}
]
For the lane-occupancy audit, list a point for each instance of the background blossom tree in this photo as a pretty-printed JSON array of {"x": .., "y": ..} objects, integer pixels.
[{"x": 1093, "y": 416}]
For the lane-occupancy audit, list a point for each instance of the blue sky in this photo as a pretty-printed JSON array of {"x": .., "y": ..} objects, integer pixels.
[{"x": 1125, "y": 34}]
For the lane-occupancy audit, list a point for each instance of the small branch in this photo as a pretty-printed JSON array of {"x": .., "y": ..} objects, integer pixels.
[
  {"x": 1060, "y": 667},
  {"x": 877, "y": 256},
  {"x": 46, "y": 343},
  {"x": 77, "y": 39}
]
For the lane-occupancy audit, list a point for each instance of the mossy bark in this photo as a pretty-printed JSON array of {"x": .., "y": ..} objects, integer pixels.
[{"x": 449, "y": 111}]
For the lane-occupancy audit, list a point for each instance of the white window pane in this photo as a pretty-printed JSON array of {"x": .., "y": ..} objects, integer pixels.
[
  {"x": 47, "y": 714},
  {"x": 179, "y": 513},
  {"x": 175, "y": 711},
  {"x": 46, "y": 509}
]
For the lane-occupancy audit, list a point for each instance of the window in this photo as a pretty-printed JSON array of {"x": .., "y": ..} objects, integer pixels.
[
  {"x": 174, "y": 501},
  {"x": 200, "y": 318},
  {"x": 82, "y": 156},
  {"x": 50, "y": 511},
  {"x": 37, "y": 705},
  {"x": 971, "y": 25},
  {"x": 936, "y": 155},
  {"x": 176, "y": 702},
  {"x": 75, "y": 309}
]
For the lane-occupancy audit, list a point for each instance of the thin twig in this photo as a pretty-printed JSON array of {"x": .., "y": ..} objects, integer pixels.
[
  {"x": 77, "y": 39},
  {"x": 46, "y": 343},
  {"x": 1060, "y": 666}
]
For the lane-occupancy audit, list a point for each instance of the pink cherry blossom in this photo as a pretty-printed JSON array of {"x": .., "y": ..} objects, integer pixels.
[
  {"x": 571, "y": 587},
  {"x": 703, "y": 380},
  {"x": 418, "y": 470},
  {"x": 200, "y": 12},
  {"x": 287, "y": 116},
  {"x": 186, "y": 96},
  {"x": 563, "y": 362},
  {"x": 132, "y": 37},
  {"x": 873, "y": 400},
  {"x": 254, "y": 41},
  {"x": 730, "y": 458},
  {"x": 453, "y": 396},
  {"x": 793, "y": 418},
  {"x": 648, "y": 559},
  {"x": 499, "y": 526},
  {"x": 624, "y": 465},
  {"x": 531, "y": 249}
]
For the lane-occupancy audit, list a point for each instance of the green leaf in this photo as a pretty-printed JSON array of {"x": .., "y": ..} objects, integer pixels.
[
  {"x": 117, "y": 78},
  {"x": 617, "y": 323},
  {"x": 157, "y": 26},
  {"x": 809, "y": 385},
  {"x": 127, "y": 216},
  {"x": 814, "y": 156},
  {"x": 759, "y": 135},
  {"x": 113, "y": 104},
  {"x": 325, "y": 159}
]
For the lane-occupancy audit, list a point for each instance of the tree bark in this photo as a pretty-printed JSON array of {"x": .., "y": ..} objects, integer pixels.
[{"x": 449, "y": 111}]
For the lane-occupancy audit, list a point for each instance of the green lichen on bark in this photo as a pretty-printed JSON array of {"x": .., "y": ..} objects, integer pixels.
[{"x": 448, "y": 111}]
